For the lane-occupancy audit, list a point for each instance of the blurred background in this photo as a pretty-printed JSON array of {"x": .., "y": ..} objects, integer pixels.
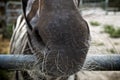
[
  {"x": 103, "y": 19},
  {"x": 9, "y": 11}
]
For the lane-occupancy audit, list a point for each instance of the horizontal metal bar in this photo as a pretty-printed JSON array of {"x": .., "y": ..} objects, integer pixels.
[
  {"x": 93, "y": 62},
  {"x": 103, "y": 62},
  {"x": 17, "y": 62}
]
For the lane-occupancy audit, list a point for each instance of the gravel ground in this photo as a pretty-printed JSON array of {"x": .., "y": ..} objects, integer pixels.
[{"x": 101, "y": 43}]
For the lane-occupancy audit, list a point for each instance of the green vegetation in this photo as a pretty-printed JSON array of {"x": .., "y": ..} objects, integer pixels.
[
  {"x": 113, "y": 51},
  {"x": 113, "y": 32},
  {"x": 8, "y": 32},
  {"x": 95, "y": 23},
  {"x": 6, "y": 75},
  {"x": 109, "y": 29},
  {"x": 100, "y": 44},
  {"x": 114, "y": 3},
  {"x": 116, "y": 43}
]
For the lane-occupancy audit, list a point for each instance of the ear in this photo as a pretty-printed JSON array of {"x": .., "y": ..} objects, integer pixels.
[{"x": 24, "y": 6}]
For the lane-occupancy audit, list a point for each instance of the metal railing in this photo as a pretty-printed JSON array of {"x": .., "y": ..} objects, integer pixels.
[
  {"x": 94, "y": 3},
  {"x": 97, "y": 3},
  {"x": 93, "y": 62},
  {"x": 13, "y": 10},
  {"x": 2, "y": 17}
]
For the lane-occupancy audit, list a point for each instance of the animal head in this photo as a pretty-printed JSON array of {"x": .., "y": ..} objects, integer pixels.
[{"x": 59, "y": 38}]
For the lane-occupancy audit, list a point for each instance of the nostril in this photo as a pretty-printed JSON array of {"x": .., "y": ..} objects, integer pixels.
[{"x": 38, "y": 37}]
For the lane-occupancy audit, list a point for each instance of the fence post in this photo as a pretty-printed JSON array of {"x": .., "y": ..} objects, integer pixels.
[{"x": 106, "y": 6}]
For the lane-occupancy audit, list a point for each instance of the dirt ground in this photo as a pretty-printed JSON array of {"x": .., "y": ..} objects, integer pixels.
[
  {"x": 101, "y": 43},
  {"x": 4, "y": 45}
]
